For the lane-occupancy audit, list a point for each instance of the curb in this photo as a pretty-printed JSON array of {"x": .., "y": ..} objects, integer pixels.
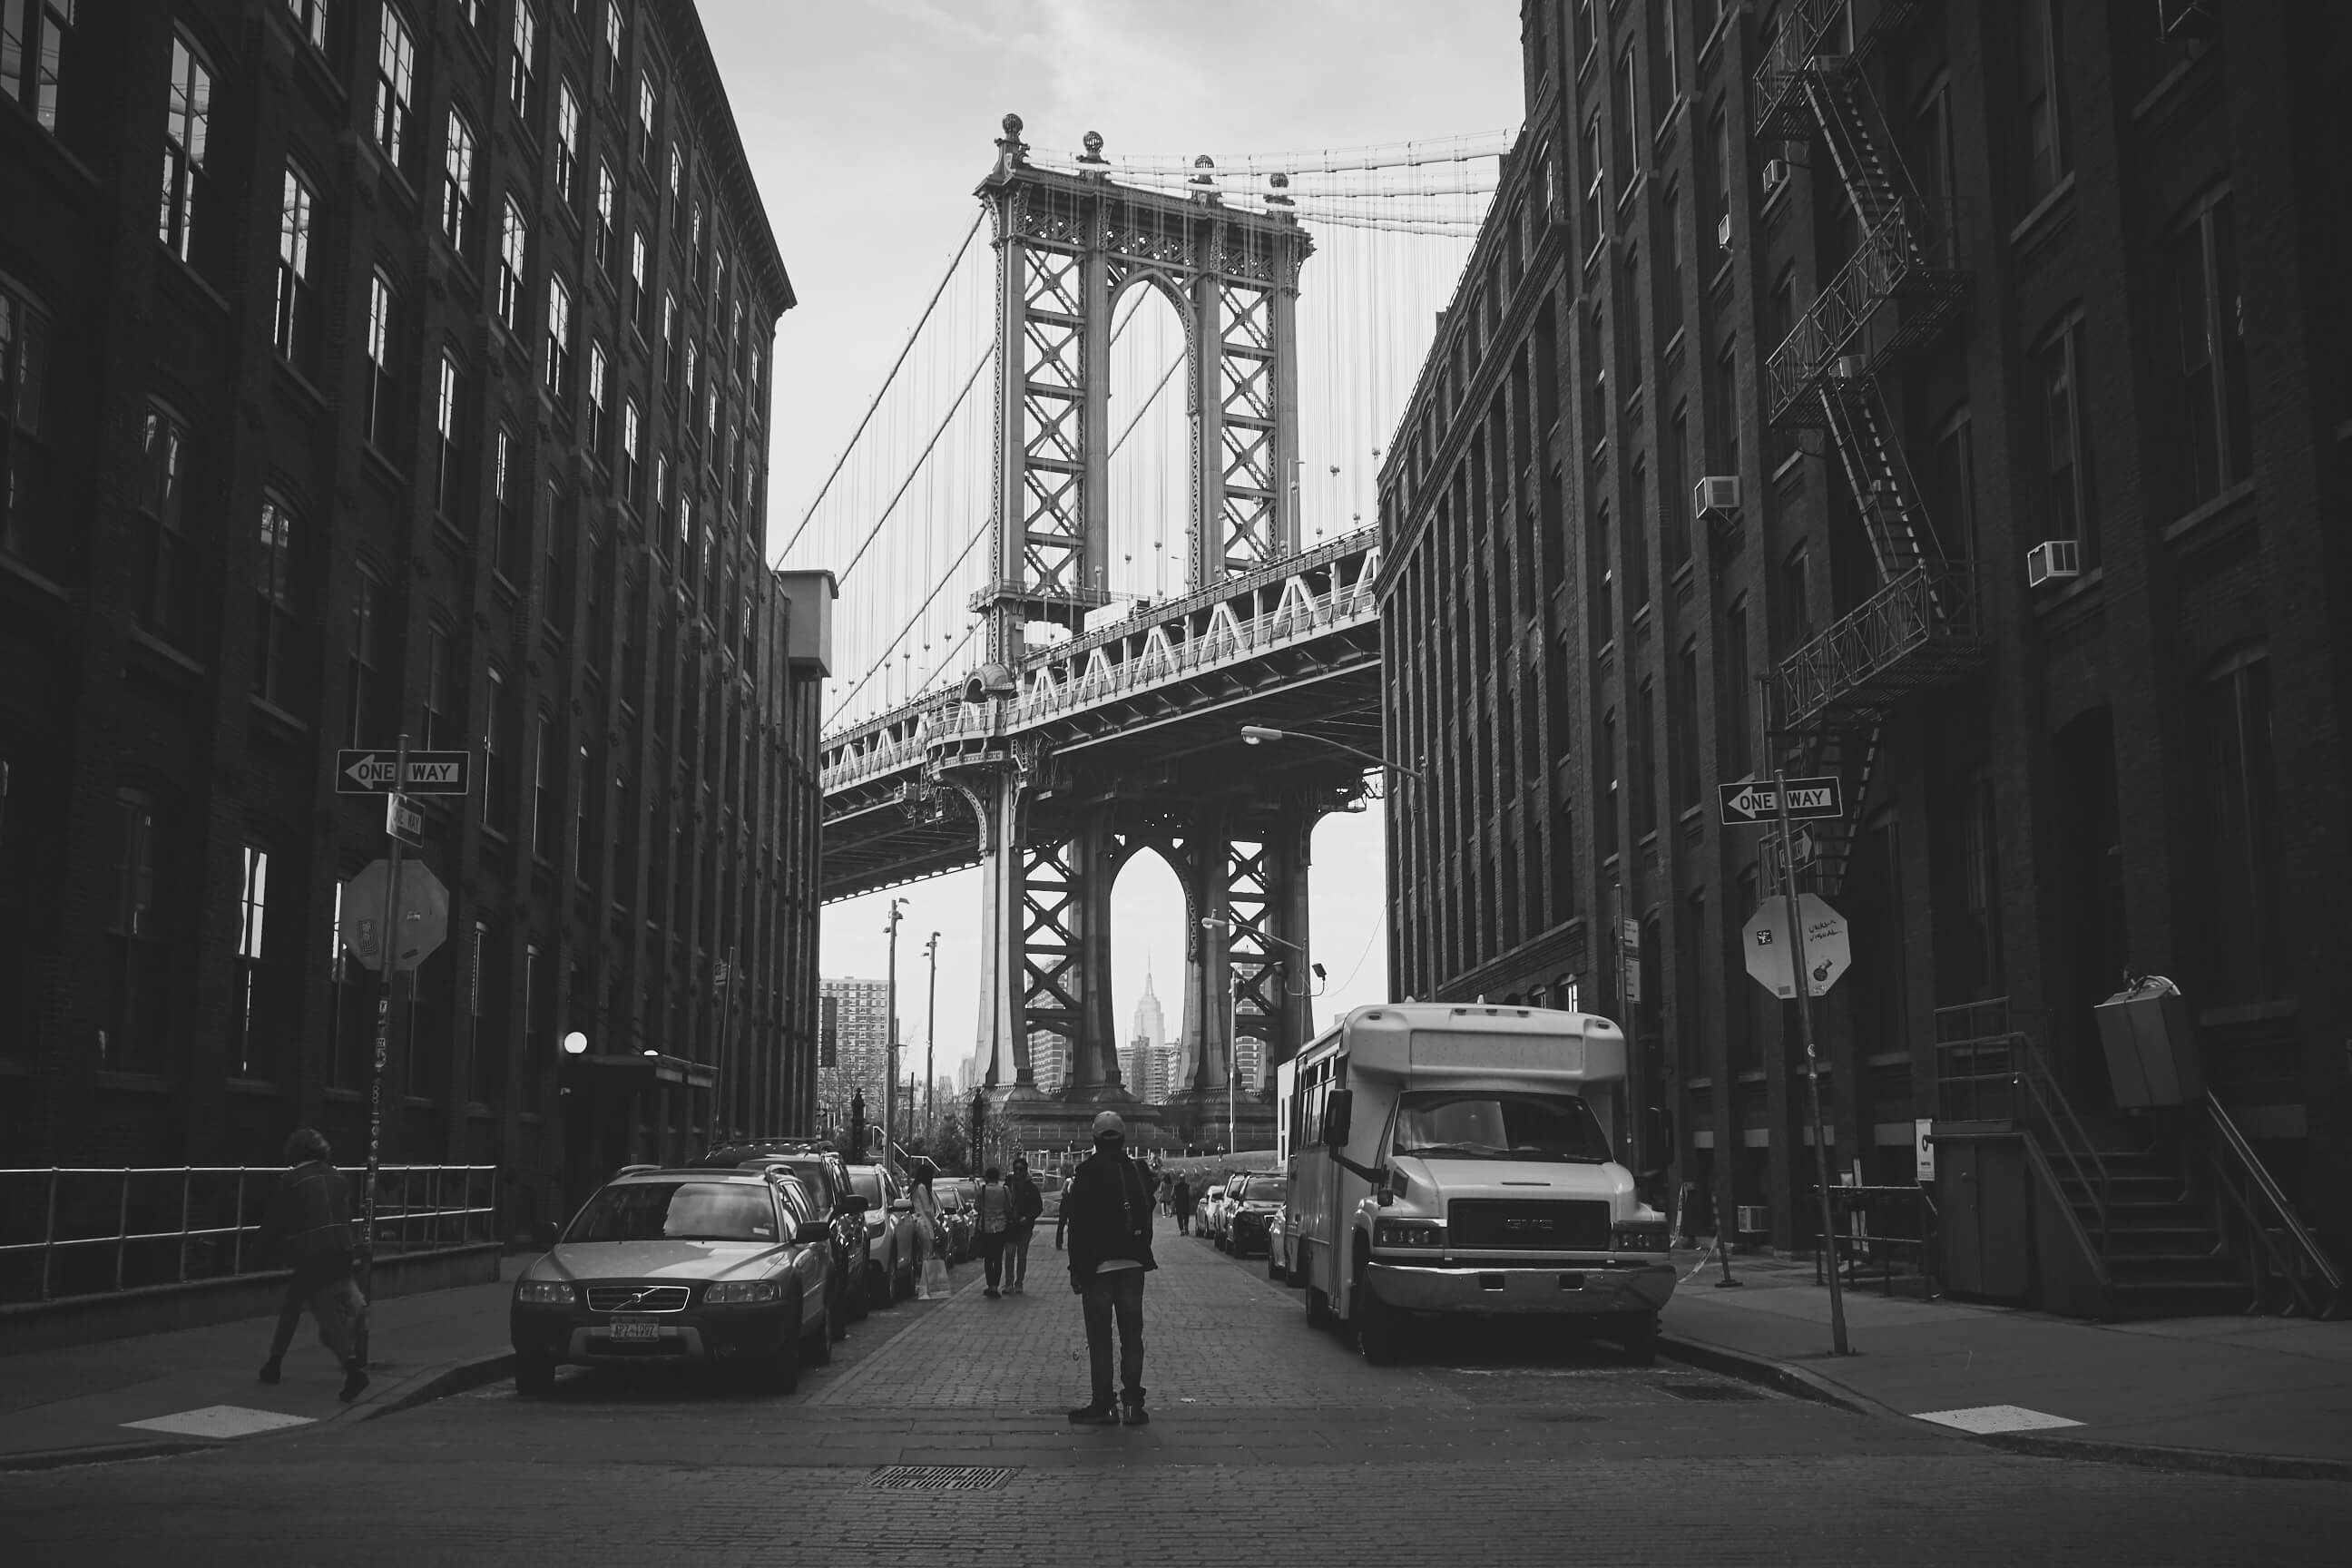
[
  {"x": 1807, "y": 1385},
  {"x": 433, "y": 1382},
  {"x": 99, "y": 1454}
]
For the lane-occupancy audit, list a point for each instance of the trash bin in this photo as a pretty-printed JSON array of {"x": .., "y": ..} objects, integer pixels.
[{"x": 2151, "y": 1046}]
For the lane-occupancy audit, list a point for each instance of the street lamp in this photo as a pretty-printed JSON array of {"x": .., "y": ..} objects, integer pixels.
[
  {"x": 1233, "y": 1005},
  {"x": 1260, "y": 734},
  {"x": 576, "y": 1044}
]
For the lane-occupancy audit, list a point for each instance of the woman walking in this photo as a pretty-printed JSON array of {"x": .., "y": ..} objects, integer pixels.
[
  {"x": 994, "y": 1208},
  {"x": 928, "y": 1250},
  {"x": 1181, "y": 1200}
]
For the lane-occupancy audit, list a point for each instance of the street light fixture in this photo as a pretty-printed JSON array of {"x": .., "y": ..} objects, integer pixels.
[
  {"x": 1260, "y": 734},
  {"x": 576, "y": 1044}
]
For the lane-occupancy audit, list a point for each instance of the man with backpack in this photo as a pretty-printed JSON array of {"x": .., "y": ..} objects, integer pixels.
[
  {"x": 310, "y": 1217},
  {"x": 1107, "y": 1207}
]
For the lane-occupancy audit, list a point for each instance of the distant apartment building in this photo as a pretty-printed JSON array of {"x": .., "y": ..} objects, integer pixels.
[
  {"x": 1049, "y": 1059},
  {"x": 861, "y": 1048}
]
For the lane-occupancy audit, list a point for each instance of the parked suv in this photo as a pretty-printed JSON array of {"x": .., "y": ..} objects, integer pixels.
[
  {"x": 1248, "y": 1212},
  {"x": 706, "y": 1266},
  {"x": 890, "y": 1233},
  {"x": 822, "y": 1173}
]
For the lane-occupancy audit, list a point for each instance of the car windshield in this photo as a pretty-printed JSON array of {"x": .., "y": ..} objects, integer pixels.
[
  {"x": 1489, "y": 1124},
  {"x": 812, "y": 1176},
  {"x": 866, "y": 1182},
  {"x": 678, "y": 1211}
]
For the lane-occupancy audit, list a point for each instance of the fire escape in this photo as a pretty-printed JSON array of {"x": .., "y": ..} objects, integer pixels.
[{"x": 1897, "y": 292}]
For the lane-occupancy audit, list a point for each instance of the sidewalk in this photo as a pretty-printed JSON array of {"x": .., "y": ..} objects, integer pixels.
[
  {"x": 196, "y": 1388},
  {"x": 2267, "y": 1397}
]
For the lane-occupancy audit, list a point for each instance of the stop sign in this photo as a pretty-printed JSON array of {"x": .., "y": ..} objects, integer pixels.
[
  {"x": 1828, "y": 952},
  {"x": 422, "y": 919}
]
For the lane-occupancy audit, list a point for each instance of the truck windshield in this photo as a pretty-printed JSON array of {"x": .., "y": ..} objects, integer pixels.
[{"x": 1487, "y": 1124}]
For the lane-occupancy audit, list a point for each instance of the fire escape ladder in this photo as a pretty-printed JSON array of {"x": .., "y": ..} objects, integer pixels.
[
  {"x": 1863, "y": 150},
  {"x": 1900, "y": 537}
]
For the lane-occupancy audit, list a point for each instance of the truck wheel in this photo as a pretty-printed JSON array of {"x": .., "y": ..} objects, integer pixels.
[{"x": 1379, "y": 1332}]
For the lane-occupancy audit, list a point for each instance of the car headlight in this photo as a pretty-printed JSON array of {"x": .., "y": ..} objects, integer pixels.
[
  {"x": 742, "y": 1293},
  {"x": 545, "y": 1293},
  {"x": 1639, "y": 1238},
  {"x": 1426, "y": 1234}
]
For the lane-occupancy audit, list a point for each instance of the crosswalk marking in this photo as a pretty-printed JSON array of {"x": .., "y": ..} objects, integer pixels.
[
  {"x": 221, "y": 1421},
  {"x": 1986, "y": 1418}
]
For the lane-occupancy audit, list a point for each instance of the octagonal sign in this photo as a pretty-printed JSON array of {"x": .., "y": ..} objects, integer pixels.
[
  {"x": 1828, "y": 951},
  {"x": 422, "y": 919}
]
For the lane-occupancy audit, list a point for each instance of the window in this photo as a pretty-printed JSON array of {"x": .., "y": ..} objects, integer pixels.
[
  {"x": 458, "y": 185},
  {"x": 605, "y": 186},
  {"x": 1682, "y": 698},
  {"x": 616, "y": 27},
  {"x": 1932, "y": 156},
  {"x": 559, "y": 335},
  {"x": 1723, "y": 411},
  {"x": 309, "y": 20},
  {"x": 1596, "y": 381},
  {"x": 1628, "y": 121},
  {"x": 661, "y": 500},
  {"x": 1950, "y": 487},
  {"x": 632, "y": 463},
  {"x": 671, "y": 364},
  {"x": 641, "y": 306},
  {"x": 1673, "y": 479},
  {"x": 139, "y": 954},
  {"x": 444, "y": 725},
  {"x": 735, "y": 334},
  {"x": 1603, "y": 574},
  {"x": 648, "y": 99},
  {"x": 522, "y": 85},
  {"x": 514, "y": 256},
  {"x": 694, "y": 238},
  {"x": 2213, "y": 438},
  {"x": 1737, "y": 701},
  {"x": 2238, "y": 859},
  {"x": 1586, "y": 35},
  {"x": 1605, "y": 795},
  {"x": 2041, "y": 81},
  {"x": 538, "y": 979},
  {"x": 506, "y": 483},
  {"x": 1593, "y": 171},
  {"x": 676, "y": 191},
  {"x": 274, "y": 653},
  {"x": 546, "y": 795},
  {"x": 497, "y": 755},
  {"x": 1795, "y": 603},
  {"x": 567, "y": 144},
  {"x": 449, "y": 439},
  {"x": 693, "y": 378},
  {"x": 1646, "y": 760},
  {"x": 382, "y": 394},
  {"x": 167, "y": 594},
  {"x": 33, "y": 35},
  {"x": 597, "y": 424},
  {"x": 2073, "y": 505},
  {"x": 1979, "y": 954},
  {"x": 1670, "y": 290},
  {"x": 557, "y": 573},
  {"x": 367, "y": 693},
  {"x": 188, "y": 120},
  {"x": 1670, "y": 65},
  {"x": 27, "y": 529},
  {"x": 395, "y": 88},
  {"x": 1718, "y": 135}
]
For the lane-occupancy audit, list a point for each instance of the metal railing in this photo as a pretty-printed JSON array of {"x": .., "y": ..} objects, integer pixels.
[
  {"x": 1872, "y": 1229},
  {"x": 1855, "y": 667},
  {"x": 2275, "y": 1235},
  {"x": 2053, "y": 1117},
  {"x": 1892, "y": 262},
  {"x": 98, "y": 1230}
]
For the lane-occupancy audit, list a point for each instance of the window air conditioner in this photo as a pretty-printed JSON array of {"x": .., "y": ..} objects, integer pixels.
[
  {"x": 1849, "y": 367},
  {"x": 1754, "y": 1219},
  {"x": 1776, "y": 174},
  {"x": 1723, "y": 232},
  {"x": 1717, "y": 495},
  {"x": 2052, "y": 558}
]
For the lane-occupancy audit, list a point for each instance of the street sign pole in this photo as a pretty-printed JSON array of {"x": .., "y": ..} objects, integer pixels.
[
  {"x": 388, "y": 953},
  {"x": 1804, "y": 988}
]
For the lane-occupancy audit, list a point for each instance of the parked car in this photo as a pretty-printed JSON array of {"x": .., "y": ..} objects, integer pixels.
[
  {"x": 1212, "y": 1206},
  {"x": 958, "y": 1220},
  {"x": 712, "y": 1267},
  {"x": 1250, "y": 1204},
  {"x": 890, "y": 1233},
  {"x": 821, "y": 1171}
]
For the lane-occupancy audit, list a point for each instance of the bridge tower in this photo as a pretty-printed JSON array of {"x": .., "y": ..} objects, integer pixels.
[{"x": 1067, "y": 246}]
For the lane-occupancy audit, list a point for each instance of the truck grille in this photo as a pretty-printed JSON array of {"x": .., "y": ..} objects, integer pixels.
[
  {"x": 636, "y": 1298},
  {"x": 1578, "y": 1224}
]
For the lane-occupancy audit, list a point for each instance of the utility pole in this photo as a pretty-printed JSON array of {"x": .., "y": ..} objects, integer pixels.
[
  {"x": 931, "y": 1043},
  {"x": 890, "y": 1039},
  {"x": 388, "y": 948},
  {"x": 1812, "y": 1061}
]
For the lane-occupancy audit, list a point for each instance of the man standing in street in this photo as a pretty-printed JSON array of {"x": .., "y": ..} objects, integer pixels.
[
  {"x": 1108, "y": 1207},
  {"x": 310, "y": 1216},
  {"x": 1028, "y": 1205}
]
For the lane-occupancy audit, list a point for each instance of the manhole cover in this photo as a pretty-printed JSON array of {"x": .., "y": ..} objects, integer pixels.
[
  {"x": 1720, "y": 1393},
  {"x": 938, "y": 1479}
]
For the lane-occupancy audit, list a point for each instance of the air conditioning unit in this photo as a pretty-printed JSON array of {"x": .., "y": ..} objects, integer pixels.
[
  {"x": 1849, "y": 367},
  {"x": 1754, "y": 1219},
  {"x": 1716, "y": 496},
  {"x": 2051, "y": 559},
  {"x": 1723, "y": 232},
  {"x": 1776, "y": 174}
]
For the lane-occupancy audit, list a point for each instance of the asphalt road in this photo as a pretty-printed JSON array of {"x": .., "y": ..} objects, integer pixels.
[{"x": 1270, "y": 1443}]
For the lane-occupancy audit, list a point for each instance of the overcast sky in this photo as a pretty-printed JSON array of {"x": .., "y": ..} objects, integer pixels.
[{"x": 868, "y": 122}]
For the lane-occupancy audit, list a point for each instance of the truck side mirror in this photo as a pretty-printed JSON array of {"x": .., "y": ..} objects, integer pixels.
[{"x": 1337, "y": 1113}]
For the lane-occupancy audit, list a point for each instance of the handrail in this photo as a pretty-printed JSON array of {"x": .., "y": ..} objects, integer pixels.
[
  {"x": 2044, "y": 1092},
  {"x": 2254, "y": 1174}
]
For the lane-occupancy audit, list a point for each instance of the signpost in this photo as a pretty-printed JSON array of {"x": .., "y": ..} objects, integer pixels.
[
  {"x": 1780, "y": 804},
  {"x": 1749, "y": 805},
  {"x": 425, "y": 773},
  {"x": 1829, "y": 951},
  {"x": 403, "y": 821}
]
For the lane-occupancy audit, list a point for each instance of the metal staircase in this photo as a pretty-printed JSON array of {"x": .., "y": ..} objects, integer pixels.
[{"x": 1895, "y": 294}]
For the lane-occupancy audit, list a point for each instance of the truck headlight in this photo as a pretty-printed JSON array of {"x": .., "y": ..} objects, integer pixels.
[
  {"x": 545, "y": 1293},
  {"x": 742, "y": 1293},
  {"x": 1639, "y": 1238},
  {"x": 1419, "y": 1234}
]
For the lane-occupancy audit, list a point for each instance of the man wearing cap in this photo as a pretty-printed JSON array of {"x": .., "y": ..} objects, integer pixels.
[{"x": 1107, "y": 1210}]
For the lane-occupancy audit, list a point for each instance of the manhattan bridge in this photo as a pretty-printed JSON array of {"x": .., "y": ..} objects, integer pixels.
[{"x": 1066, "y": 599}]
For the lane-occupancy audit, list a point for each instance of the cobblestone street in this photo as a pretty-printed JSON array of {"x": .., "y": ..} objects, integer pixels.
[{"x": 1270, "y": 1443}]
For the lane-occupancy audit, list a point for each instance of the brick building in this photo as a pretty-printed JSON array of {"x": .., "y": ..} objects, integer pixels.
[
  {"x": 430, "y": 396},
  {"x": 861, "y": 1024},
  {"x": 2017, "y": 328}
]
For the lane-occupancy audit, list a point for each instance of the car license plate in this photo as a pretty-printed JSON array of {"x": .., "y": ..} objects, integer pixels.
[{"x": 636, "y": 1329}]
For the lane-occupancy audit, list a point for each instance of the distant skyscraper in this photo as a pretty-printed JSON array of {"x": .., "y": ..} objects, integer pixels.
[
  {"x": 1151, "y": 1023},
  {"x": 1249, "y": 1064}
]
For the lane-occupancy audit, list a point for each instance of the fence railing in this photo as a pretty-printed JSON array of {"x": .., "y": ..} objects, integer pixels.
[
  {"x": 2277, "y": 1247},
  {"x": 70, "y": 1231}
]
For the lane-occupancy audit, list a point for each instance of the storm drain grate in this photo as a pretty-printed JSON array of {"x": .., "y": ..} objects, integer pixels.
[
  {"x": 938, "y": 1479},
  {"x": 1718, "y": 1393}
]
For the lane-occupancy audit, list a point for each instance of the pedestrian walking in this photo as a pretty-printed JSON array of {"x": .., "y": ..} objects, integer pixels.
[
  {"x": 1108, "y": 1207},
  {"x": 1167, "y": 1194},
  {"x": 1028, "y": 1206},
  {"x": 309, "y": 1220},
  {"x": 1180, "y": 1199},
  {"x": 930, "y": 1268},
  {"x": 993, "y": 1223}
]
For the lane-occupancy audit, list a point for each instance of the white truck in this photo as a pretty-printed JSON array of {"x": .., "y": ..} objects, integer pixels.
[{"x": 1463, "y": 1160}]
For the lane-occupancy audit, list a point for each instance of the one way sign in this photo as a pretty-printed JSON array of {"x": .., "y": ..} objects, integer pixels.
[
  {"x": 429, "y": 773},
  {"x": 1745, "y": 804}
]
